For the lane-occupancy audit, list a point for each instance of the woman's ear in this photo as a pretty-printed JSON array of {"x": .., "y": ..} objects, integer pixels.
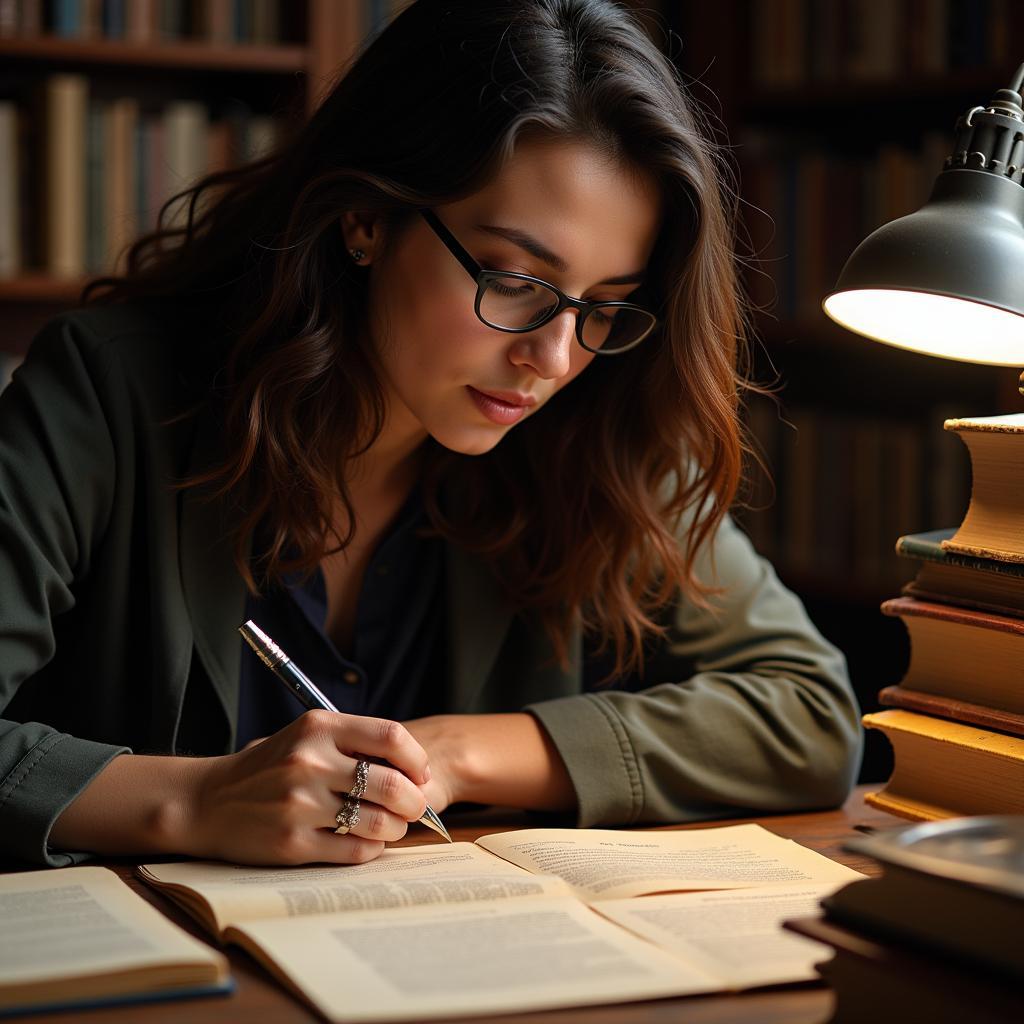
[{"x": 363, "y": 234}]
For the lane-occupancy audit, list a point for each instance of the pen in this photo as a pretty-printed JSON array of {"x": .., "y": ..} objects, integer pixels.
[{"x": 308, "y": 693}]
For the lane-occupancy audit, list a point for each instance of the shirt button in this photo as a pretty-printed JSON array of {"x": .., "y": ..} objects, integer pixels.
[{"x": 351, "y": 677}]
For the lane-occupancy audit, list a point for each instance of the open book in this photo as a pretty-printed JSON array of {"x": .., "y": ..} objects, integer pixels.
[
  {"x": 80, "y": 937},
  {"x": 525, "y": 920}
]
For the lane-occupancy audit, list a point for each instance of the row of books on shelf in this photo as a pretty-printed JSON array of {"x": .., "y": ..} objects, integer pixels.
[
  {"x": 216, "y": 22},
  {"x": 796, "y": 42},
  {"x": 842, "y": 486},
  {"x": 257, "y": 22},
  {"x": 82, "y": 176},
  {"x": 807, "y": 210}
]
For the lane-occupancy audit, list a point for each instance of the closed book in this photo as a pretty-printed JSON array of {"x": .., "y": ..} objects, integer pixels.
[
  {"x": 120, "y": 208},
  {"x": 8, "y": 18},
  {"x": 955, "y": 578},
  {"x": 141, "y": 23},
  {"x": 30, "y": 17},
  {"x": 963, "y": 653},
  {"x": 96, "y": 179},
  {"x": 947, "y": 707},
  {"x": 113, "y": 19},
  {"x": 992, "y": 527},
  {"x": 876, "y": 981},
  {"x": 66, "y": 18},
  {"x": 185, "y": 153},
  {"x": 945, "y": 769},
  {"x": 217, "y": 23},
  {"x": 66, "y": 118},
  {"x": 952, "y": 888},
  {"x": 10, "y": 206}
]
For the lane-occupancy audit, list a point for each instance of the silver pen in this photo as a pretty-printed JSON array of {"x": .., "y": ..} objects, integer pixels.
[{"x": 307, "y": 692}]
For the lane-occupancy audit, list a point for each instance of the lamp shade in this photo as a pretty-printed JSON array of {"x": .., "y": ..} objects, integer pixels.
[{"x": 948, "y": 280}]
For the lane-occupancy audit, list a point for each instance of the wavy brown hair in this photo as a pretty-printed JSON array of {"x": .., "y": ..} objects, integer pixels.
[{"x": 578, "y": 509}]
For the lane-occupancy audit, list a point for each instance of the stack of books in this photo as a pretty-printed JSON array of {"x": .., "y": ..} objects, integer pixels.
[
  {"x": 957, "y": 718},
  {"x": 936, "y": 938}
]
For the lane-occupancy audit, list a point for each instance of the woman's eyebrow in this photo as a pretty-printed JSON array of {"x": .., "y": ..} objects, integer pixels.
[{"x": 537, "y": 248}]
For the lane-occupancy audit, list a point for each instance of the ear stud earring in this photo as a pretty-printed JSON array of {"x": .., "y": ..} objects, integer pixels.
[{"x": 357, "y": 254}]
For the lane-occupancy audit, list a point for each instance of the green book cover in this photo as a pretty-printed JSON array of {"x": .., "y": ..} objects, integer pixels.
[{"x": 927, "y": 547}]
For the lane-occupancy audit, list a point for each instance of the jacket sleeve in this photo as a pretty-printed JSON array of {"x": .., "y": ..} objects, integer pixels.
[
  {"x": 56, "y": 486},
  {"x": 744, "y": 706}
]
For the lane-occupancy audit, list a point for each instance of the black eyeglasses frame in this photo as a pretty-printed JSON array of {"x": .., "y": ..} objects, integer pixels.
[{"x": 483, "y": 277}]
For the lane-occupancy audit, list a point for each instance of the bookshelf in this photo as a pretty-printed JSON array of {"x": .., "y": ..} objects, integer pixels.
[
  {"x": 226, "y": 72},
  {"x": 839, "y": 114}
]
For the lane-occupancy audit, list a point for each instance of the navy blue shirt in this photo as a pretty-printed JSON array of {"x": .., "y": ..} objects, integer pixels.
[{"x": 394, "y": 669}]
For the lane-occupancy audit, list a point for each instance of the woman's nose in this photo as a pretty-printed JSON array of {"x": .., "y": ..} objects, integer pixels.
[{"x": 548, "y": 349}]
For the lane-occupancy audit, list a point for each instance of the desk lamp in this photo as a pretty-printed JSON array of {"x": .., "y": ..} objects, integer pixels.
[{"x": 948, "y": 280}]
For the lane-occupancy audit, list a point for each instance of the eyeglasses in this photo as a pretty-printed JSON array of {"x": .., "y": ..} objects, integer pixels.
[{"x": 518, "y": 303}]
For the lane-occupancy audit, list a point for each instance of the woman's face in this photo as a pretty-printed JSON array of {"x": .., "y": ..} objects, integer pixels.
[{"x": 448, "y": 375}]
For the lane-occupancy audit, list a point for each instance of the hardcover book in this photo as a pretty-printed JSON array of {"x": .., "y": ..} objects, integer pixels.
[
  {"x": 875, "y": 981},
  {"x": 947, "y": 707},
  {"x": 963, "y": 653},
  {"x": 945, "y": 769},
  {"x": 948, "y": 576},
  {"x": 992, "y": 527},
  {"x": 952, "y": 887}
]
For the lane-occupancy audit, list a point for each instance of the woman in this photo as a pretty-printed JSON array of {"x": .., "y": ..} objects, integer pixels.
[{"x": 444, "y": 396}]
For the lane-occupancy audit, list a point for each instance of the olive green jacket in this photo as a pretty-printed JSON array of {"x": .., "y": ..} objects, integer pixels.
[{"x": 119, "y": 607}]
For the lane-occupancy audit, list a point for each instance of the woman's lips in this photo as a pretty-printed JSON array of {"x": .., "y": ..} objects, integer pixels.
[{"x": 499, "y": 410}]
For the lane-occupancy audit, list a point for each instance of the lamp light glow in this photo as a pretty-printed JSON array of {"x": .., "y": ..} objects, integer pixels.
[{"x": 938, "y": 325}]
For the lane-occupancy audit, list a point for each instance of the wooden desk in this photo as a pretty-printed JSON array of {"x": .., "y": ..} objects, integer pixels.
[{"x": 259, "y": 999}]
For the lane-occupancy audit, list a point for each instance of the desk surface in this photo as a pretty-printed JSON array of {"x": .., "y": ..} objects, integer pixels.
[{"x": 258, "y": 998}]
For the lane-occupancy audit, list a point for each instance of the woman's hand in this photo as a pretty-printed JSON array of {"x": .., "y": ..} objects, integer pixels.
[
  {"x": 448, "y": 740},
  {"x": 504, "y": 759},
  {"x": 274, "y": 802}
]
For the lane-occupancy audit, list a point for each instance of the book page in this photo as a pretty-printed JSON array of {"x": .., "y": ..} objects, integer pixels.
[
  {"x": 85, "y": 923},
  {"x": 447, "y": 962},
  {"x": 735, "y": 935},
  {"x": 607, "y": 864},
  {"x": 399, "y": 878}
]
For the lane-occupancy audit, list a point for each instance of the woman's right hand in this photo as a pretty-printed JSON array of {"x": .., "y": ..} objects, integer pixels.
[{"x": 274, "y": 802}]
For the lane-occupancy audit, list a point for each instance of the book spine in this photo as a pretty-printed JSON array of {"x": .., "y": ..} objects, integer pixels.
[
  {"x": 947, "y": 707},
  {"x": 909, "y": 608},
  {"x": 114, "y": 19},
  {"x": 10, "y": 208},
  {"x": 8, "y": 18},
  {"x": 185, "y": 152},
  {"x": 96, "y": 186},
  {"x": 121, "y": 223},
  {"x": 67, "y": 104}
]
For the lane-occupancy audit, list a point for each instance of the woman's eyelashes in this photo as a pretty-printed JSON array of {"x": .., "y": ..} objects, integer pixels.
[{"x": 510, "y": 267}]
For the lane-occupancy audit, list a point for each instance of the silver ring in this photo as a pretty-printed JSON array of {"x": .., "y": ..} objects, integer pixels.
[
  {"x": 347, "y": 817},
  {"x": 362, "y": 775}
]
